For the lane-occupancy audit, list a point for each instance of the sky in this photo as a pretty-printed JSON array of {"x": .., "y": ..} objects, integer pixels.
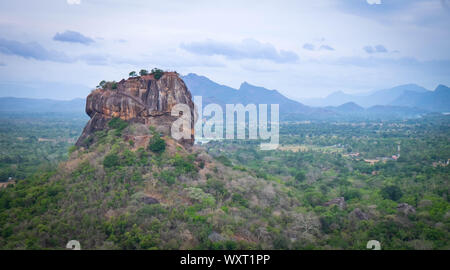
[{"x": 62, "y": 48}]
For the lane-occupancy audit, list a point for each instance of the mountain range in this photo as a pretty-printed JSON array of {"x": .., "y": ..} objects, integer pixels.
[
  {"x": 32, "y": 105},
  {"x": 213, "y": 92},
  {"x": 408, "y": 100},
  {"x": 408, "y": 95}
]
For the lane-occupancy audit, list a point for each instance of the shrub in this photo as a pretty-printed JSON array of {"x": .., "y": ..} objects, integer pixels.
[
  {"x": 392, "y": 192},
  {"x": 157, "y": 144},
  {"x": 72, "y": 149},
  {"x": 118, "y": 124},
  {"x": 200, "y": 196},
  {"x": 132, "y": 74},
  {"x": 157, "y": 73},
  {"x": 239, "y": 199},
  {"x": 107, "y": 85},
  {"x": 102, "y": 84},
  {"x": 143, "y": 72},
  {"x": 183, "y": 165},
  {"x": 351, "y": 194},
  {"x": 111, "y": 160},
  {"x": 300, "y": 176},
  {"x": 168, "y": 177},
  {"x": 225, "y": 161}
]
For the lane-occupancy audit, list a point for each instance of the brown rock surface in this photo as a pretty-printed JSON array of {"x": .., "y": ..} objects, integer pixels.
[{"x": 142, "y": 100}]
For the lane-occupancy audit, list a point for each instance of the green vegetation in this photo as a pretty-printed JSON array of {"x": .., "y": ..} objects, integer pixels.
[
  {"x": 111, "y": 160},
  {"x": 35, "y": 142},
  {"x": 132, "y": 74},
  {"x": 118, "y": 124},
  {"x": 112, "y": 85},
  {"x": 157, "y": 144},
  {"x": 232, "y": 195},
  {"x": 157, "y": 73},
  {"x": 143, "y": 72},
  {"x": 392, "y": 193}
]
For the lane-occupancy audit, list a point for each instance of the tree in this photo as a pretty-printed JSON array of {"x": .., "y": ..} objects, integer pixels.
[
  {"x": 102, "y": 84},
  {"x": 132, "y": 74},
  {"x": 300, "y": 176},
  {"x": 392, "y": 192},
  {"x": 111, "y": 160},
  {"x": 157, "y": 73},
  {"x": 157, "y": 144},
  {"x": 143, "y": 72}
]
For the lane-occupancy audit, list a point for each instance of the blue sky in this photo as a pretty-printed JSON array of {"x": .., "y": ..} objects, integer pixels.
[{"x": 301, "y": 48}]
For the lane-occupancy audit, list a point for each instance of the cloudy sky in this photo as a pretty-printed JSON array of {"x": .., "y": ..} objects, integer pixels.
[{"x": 301, "y": 48}]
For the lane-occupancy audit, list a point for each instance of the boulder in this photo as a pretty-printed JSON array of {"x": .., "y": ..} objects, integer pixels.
[
  {"x": 406, "y": 209},
  {"x": 149, "y": 200},
  {"x": 359, "y": 214}
]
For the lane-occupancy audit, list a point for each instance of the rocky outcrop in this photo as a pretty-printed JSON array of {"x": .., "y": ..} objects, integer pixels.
[
  {"x": 359, "y": 214},
  {"x": 339, "y": 201},
  {"x": 406, "y": 208},
  {"x": 143, "y": 99},
  {"x": 149, "y": 200}
]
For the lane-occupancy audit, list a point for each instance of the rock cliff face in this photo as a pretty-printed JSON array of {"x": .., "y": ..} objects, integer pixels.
[{"x": 143, "y": 100}]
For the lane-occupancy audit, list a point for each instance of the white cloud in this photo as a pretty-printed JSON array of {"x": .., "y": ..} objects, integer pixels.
[
  {"x": 372, "y": 2},
  {"x": 73, "y": 2}
]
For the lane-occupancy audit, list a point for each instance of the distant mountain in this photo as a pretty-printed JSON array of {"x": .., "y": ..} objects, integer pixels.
[
  {"x": 11, "y": 104},
  {"x": 42, "y": 90},
  {"x": 436, "y": 101},
  {"x": 353, "y": 110},
  {"x": 407, "y": 103},
  {"x": 380, "y": 97},
  {"x": 388, "y": 111},
  {"x": 349, "y": 107},
  {"x": 220, "y": 94}
]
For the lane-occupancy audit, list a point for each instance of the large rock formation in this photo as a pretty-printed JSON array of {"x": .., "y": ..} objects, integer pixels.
[{"x": 145, "y": 100}]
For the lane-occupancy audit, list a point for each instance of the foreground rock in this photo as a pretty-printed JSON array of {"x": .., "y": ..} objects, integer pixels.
[{"x": 143, "y": 100}]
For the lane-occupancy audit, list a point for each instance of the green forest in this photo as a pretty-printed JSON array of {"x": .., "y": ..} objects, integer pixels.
[{"x": 330, "y": 185}]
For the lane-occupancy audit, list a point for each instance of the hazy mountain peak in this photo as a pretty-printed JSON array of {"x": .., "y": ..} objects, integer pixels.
[
  {"x": 351, "y": 105},
  {"x": 441, "y": 87}
]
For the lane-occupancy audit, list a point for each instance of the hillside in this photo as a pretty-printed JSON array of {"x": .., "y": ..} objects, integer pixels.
[{"x": 121, "y": 192}]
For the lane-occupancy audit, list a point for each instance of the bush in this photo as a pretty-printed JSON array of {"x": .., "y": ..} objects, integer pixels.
[
  {"x": 197, "y": 194},
  {"x": 184, "y": 165},
  {"x": 168, "y": 177},
  {"x": 102, "y": 84},
  {"x": 72, "y": 149},
  {"x": 143, "y": 72},
  {"x": 240, "y": 200},
  {"x": 107, "y": 85},
  {"x": 224, "y": 160},
  {"x": 111, "y": 160},
  {"x": 157, "y": 144},
  {"x": 391, "y": 192},
  {"x": 157, "y": 73},
  {"x": 117, "y": 124},
  {"x": 300, "y": 176},
  {"x": 351, "y": 194}
]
